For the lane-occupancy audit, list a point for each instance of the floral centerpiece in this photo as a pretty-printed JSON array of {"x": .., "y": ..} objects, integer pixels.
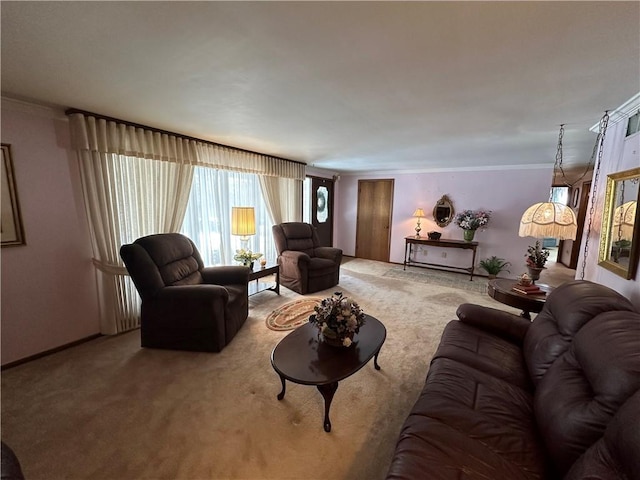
[
  {"x": 470, "y": 221},
  {"x": 247, "y": 257},
  {"x": 338, "y": 318},
  {"x": 536, "y": 255}
]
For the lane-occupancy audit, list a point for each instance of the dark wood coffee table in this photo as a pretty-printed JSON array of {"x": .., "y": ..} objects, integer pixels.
[
  {"x": 301, "y": 357},
  {"x": 500, "y": 289}
]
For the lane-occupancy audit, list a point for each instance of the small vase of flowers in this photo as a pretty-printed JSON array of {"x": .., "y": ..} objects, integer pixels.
[
  {"x": 246, "y": 257},
  {"x": 471, "y": 220},
  {"x": 338, "y": 319}
]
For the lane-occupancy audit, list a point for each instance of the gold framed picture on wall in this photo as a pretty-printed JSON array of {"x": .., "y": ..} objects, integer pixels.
[{"x": 11, "y": 232}]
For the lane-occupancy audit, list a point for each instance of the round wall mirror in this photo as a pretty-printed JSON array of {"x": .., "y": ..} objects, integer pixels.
[{"x": 443, "y": 211}]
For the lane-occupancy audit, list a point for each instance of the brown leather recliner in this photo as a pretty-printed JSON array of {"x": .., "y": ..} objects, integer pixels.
[
  {"x": 185, "y": 306},
  {"x": 305, "y": 266}
]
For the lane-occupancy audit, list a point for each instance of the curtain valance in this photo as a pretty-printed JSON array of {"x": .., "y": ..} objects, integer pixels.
[
  {"x": 103, "y": 136},
  {"x": 96, "y": 134}
]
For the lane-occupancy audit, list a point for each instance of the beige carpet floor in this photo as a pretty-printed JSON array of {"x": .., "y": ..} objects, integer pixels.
[{"x": 108, "y": 409}]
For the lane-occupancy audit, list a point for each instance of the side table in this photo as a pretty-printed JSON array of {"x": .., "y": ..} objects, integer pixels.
[
  {"x": 259, "y": 272},
  {"x": 500, "y": 289}
]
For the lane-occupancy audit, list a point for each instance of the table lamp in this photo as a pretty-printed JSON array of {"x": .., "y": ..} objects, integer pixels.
[
  {"x": 419, "y": 213},
  {"x": 243, "y": 224}
]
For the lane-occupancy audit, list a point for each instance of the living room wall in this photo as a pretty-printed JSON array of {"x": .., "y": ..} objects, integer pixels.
[
  {"x": 49, "y": 295},
  {"x": 506, "y": 192},
  {"x": 620, "y": 153},
  {"x": 48, "y": 290}
]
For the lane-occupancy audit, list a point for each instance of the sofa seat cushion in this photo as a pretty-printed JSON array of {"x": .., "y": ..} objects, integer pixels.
[
  {"x": 476, "y": 424},
  {"x": 484, "y": 351},
  {"x": 430, "y": 449},
  {"x": 319, "y": 267}
]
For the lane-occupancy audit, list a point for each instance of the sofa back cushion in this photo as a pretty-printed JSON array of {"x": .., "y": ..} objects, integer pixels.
[
  {"x": 586, "y": 385},
  {"x": 567, "y": 309},
  {"x": 297, "y": 236},
  {"x": 162, "y": 260},
  {"x": 616, "y": 455}
]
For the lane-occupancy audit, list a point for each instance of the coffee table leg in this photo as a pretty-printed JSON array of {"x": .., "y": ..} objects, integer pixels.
[
  {"x": 281, "y": 394},
  {"x": 375, "y": 361},
  {"x": 525, "y": 314},
  {"x": 327, "y": 392}
]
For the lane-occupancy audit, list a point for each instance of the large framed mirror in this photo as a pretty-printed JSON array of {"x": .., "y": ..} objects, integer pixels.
[
  {"x": 620, "y": 237},
  {"x": 443, "y": 212}
]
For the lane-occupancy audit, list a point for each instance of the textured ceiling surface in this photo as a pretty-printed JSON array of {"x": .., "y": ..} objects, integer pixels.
[{"x": 347, "y": 86}]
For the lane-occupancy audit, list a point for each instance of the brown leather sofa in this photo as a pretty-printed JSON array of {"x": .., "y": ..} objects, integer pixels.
[
  {"x": 305, "y": 266},
  {"x": 10, "y": 468},
  {"x": 185, "y": 306},
  {"x": 508, "y": 399}
]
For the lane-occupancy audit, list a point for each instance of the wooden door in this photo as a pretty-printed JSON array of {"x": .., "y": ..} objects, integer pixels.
[
  {"x": 580, "y": 220},
  {"x": 373, "y": 228},
  {"x": 321, "y": 203}
]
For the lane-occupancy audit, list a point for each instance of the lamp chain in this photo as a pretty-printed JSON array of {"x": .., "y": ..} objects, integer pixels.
[
  {"x": 587, "y": 168},
  {"x": 558, "y": 163},
  {"x": 604, "y": 121}
]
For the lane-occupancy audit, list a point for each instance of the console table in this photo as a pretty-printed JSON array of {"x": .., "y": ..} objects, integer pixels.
[{"x": 461, "y": 244}]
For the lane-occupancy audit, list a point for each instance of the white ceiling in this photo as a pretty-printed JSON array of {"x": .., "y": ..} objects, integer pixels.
[{"x": 346, "y": 86}]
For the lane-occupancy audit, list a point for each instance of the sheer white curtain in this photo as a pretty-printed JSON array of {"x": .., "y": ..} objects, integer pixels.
[
  {"x": 135, "y": 183},
  {"x": 208, "y": 217},
  {"x": 280, "y": 180},
  {"x": 283, "y": 197}
]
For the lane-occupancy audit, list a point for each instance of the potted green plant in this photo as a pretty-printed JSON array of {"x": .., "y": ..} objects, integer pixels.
[{"x": 494, "y": 265}]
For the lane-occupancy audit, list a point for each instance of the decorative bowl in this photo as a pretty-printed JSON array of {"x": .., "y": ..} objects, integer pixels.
[
  {"x": 525, "y": 280},
  {"x": 434, "y": 235}
]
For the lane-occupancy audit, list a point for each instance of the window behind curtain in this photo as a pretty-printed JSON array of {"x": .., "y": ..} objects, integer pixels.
[{"x": 208, "y": 217}]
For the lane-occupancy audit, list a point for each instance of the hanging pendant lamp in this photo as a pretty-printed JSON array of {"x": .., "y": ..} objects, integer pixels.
[
  {"x": 624, "y": 220},
  {"x": 550, "y": 219}
]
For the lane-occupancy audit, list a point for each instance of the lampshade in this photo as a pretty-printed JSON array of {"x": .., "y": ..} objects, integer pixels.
[
  {"x": 243, "y": 221},
  {"x": 549, "y": 220},
  {"x": 418, "y": 213},
  {"x": 623, "y": 221}
]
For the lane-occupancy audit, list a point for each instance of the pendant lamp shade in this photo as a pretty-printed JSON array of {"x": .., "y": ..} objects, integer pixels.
[
  {"x": 549, "y": 220},
  {"x": 623, "y": 221}
]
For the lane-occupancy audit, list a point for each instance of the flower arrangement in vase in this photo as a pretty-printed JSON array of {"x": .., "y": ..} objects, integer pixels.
[
  {"x": 471, "y": 220},
  {"x": 246, "y": 257},
  {"x": 536, "y": 255},
  {"x": 338, "y": 318},
  {"x": 536, "y": 259}
]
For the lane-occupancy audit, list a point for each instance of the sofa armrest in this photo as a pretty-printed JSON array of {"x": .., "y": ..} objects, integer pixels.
[
  {"x": 227, "y": 275},
  {"x": 190, "y": 306},
  {"x": 294, "y": 256},
  {"x": 201, "y": 293},
  {"x": 330, "y": 253},
  {"x": 501, "y": 323}
]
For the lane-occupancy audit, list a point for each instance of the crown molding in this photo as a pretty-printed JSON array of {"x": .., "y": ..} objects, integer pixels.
[
  {"x": 491, "y": 168},
  {"x": 624, "y": 111},
  {"x": 33, "y": 108}
]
